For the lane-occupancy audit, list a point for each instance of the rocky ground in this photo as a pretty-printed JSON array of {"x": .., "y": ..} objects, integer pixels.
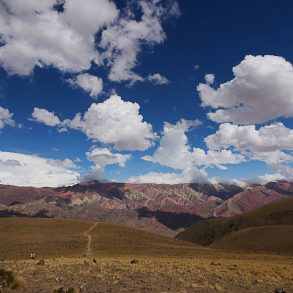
[{"x": 214, "y": 272}]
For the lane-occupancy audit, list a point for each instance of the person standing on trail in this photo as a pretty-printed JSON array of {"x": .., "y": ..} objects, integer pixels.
[{"x": 33, "y": 255}]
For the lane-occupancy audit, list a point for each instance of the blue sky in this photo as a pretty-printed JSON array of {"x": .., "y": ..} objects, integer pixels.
[{"x": 144, "y": 76}]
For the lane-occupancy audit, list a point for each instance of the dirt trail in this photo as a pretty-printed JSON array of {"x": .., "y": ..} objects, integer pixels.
[{"x": 88, "y": 248}]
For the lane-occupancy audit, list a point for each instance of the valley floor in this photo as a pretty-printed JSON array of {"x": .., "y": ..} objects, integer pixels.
[
  {"x": 215, "y": 271},
  {"x": 99, "y": 257}
]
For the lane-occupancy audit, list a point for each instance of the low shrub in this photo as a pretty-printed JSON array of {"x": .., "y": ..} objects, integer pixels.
[
  {"x": 63, "y": 290},
  {"x": 9, "y": 280}
]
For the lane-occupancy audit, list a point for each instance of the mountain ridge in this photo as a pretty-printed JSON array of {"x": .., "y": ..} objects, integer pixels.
[
  {"x": 160, "y": 208},
  {"x": 266, "y": 228}
]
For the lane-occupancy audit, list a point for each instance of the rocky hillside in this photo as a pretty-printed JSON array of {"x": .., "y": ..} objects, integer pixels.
[
  {"x": 160, "y": 208},
  {"x": 267, "y": 228}
]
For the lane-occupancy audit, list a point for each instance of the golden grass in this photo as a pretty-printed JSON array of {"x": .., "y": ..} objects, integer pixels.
[
  {"x": 117, "y": 240},
  {"x": 9, "y": 280},
  {"x": 47, "y": 237},
  {"x": 277, "y": 238},
  {"x": 232, "y": 273},
  {"x": 65, "y": 238},
  {"x": 207, "y": 232},
  {"x": 161, "y": 264}
]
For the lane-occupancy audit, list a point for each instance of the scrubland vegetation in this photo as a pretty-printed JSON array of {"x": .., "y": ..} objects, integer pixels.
[{"x": 124, "y": 259}]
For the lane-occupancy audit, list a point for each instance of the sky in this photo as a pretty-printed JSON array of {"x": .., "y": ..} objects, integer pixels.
[{"x": 158, "y": 91}]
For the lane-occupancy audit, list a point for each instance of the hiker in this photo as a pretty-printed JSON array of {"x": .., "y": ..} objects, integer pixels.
[{"x": 33, "y": 255}]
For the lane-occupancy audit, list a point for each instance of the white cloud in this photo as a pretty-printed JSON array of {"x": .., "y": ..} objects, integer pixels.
[
  {"x": 10, "y": 162},
  {"x": 239, "y": 182},
  {"x": 209, "y": 78},
  {"x": 158, "y": 79},
  {"x": 6, "y": 118},
  {"x": 267, "y": 144},
  {"x": 46, "y": 117},
  {"x": 31, "y": 170},
  {"x": 261, "y": 90},
  {"x": 92, "y": 15},
  {"x": 216, "y": 158},
  {"x": 268, "y": 138},
  {"x": 66, "y": 163},
  {"x": 282, "y": 173},
  {"x": 90, "y": 83},
  {"x": 34, "y": 33},
  {"x": 102, "y": 157},
  {"x": 190, "y": 175},
  {"x": 263, "y": 179},
  {"x": 175, "y": 152},
  {"x": 286, "y": 171},
  {"x": 113, "y": 121},
  {"x": 273, "y": 157},
  {"x": 123, "y": 41}
]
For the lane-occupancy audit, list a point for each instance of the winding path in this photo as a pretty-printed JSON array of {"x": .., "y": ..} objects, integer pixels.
[{"x": 88, "y": 248}]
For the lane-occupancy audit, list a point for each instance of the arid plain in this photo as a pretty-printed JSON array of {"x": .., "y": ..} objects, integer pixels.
[{"x": 113, "y": 258}]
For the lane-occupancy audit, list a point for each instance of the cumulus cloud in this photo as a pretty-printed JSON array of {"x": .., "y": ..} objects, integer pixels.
[
  {"x": 46, "y": 117},
  {"x": 31, "y": 170},
  {"x": 90, "y": 83},
  {"x": 10, "y": 162},
  {"x": 284, "y": 172},
  {"x": 273, "y": 157},
  {"x": 175, "y": 152},
  {"x": 113, "y": 121},
  {"x": 209, "y": 78},
  {"x": 6, "y": 118},
  {"x": 261, "y": 90},
  {"x": 189, "y": 175},
  {"x": 158, "y": 79},
  {"x": 124, "y": 39},
  {"x": 246, "y": 137},
  {"x": 263, "y": 179},
  {"x": 216, "y": 158},
  {"x": 268, "y": 143},
  {"x": 35, "y": 33},
  {"x": 102, "y": 157},
  {"x": 281, "y": 173},
  {"x": 66, "y": 163}
]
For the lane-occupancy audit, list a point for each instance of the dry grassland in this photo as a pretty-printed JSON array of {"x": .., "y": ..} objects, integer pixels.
[
  {"x": 130, "y": 260},
  {"x": 47, "y": 237},
  {"x": 221, "y": 273}
]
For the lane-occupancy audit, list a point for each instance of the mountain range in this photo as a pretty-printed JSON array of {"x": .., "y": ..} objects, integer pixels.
[{"x": 160, "y": 208}]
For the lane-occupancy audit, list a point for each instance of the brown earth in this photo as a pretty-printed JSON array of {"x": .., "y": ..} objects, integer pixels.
[
  {"x": 268, "y": 228},
  {"x": 277, "y": 238},
  {"x": 130, "y": 260},
  {"x": 214, "y": 272}
]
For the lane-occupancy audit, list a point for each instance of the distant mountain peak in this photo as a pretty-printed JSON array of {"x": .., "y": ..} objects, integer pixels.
[{"x": 123, "y": 202}]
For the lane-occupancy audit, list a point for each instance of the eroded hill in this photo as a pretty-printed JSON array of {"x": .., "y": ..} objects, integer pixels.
[
  {"x": 268, "y": 228},
  {"x": 160, "y": 208}
]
